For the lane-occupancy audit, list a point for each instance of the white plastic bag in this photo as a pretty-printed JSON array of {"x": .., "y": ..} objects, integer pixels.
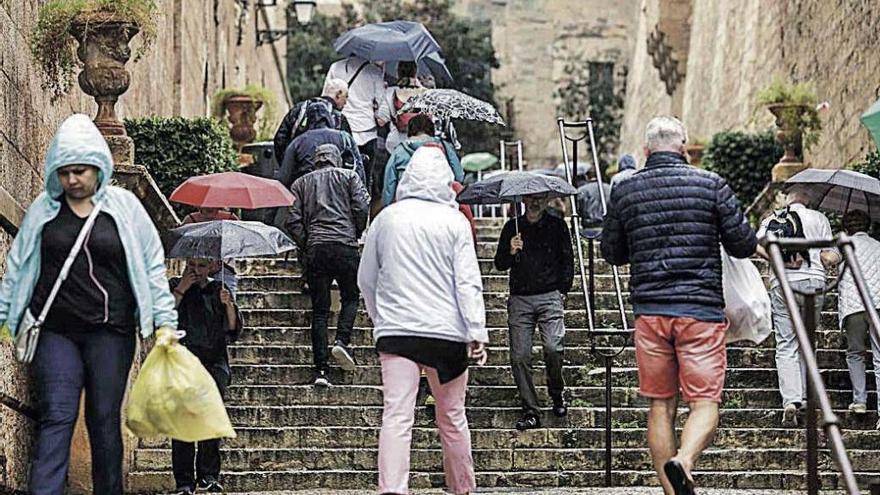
[{"x": 747, "y": 303}]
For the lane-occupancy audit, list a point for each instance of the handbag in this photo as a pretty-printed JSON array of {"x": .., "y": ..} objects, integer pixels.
[{"x": 28, "y": 334}]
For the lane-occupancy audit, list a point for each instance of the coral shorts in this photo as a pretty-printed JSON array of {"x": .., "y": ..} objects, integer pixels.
[{"x": 685, "y": 353}]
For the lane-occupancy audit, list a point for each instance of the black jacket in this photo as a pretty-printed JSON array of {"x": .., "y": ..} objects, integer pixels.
[
  {"x": 331, "y": 206},
  {"x": 296, "y": 122},
  {"x": 546, "y": 262},
  {"x": 203, "y": 317},
  {"x": 299, "y": 156},
  {"x": 667, "y": 221}
]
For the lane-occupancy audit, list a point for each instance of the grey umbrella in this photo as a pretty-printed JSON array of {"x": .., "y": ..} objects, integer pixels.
[
  {"x": 387, "y": 41},
  {"x": 510, "y": 187},
  {"x": 838, "y": 190},
  {"x": 452, "y": 104},
  {"x": 221, "y": 239}
]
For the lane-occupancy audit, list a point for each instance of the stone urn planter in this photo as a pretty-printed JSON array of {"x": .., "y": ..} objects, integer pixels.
[
  {"x": 241, "y": 111},
  {"x": 791, "y": 139},
  {"x": 103, "y": 49},
  {"x": 695, "y": 152}
]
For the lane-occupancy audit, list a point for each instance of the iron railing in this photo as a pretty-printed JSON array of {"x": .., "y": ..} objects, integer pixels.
[
  {"x": 805, "y": 327},
  {"x": 588, "y": 286}
]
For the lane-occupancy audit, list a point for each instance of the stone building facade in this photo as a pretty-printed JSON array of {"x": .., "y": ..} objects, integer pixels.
[
  {"x": 536, "y": 42},
  {"x": 202, "y": 46},
  {"x": 726, "y": 52}
]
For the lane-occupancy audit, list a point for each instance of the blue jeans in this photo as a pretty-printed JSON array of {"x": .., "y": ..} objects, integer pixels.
[{"x": 97, "y": 361}]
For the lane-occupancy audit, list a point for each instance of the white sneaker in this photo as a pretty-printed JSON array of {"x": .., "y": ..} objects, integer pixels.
[
  {"x": 789, "y": 415},
  {"x": 858, "y": 408},
  {"x": 878, "y": 425}
]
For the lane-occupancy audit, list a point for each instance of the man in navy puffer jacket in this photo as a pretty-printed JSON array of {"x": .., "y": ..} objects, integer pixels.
[{"x": 668, "y": 221}]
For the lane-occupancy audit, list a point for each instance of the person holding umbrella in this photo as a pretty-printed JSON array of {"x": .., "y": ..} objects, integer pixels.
[
  {"x": 220, "y": 269},
  {"x": 115, "y": 288},
  {"x": 326, "y": 222},
  {"x": 537, "y": 250},
  {"x": 208, "y": 314}
]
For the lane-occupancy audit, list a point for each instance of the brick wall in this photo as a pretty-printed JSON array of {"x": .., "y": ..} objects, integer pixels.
[{"x": 196, "y": 53}]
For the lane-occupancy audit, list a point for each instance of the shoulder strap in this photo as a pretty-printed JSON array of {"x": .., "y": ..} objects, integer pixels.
[
  {"x": 65, "y": 269},
  {"x": 356, "y": 74}
]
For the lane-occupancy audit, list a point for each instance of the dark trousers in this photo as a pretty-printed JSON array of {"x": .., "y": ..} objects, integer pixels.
[
  {"x": 329, "y": 262},
  {"x": 65, "y": 364},
  {"x": 207, "y": 460},
  {"x": 368, "y": 154},
  {"x": 524, "y": 313}
]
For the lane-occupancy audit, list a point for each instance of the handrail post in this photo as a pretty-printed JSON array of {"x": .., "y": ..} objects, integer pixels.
[
  {"x": 588, "y": 287},
  {"x": 811, "y": 419},
  {"x": 830, "y": 422}
]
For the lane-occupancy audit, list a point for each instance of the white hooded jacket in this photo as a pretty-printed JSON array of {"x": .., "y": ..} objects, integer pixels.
[{"x": 419, "y": 273}]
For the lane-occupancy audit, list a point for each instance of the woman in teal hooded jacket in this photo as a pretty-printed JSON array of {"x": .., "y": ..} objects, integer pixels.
[{"x": 88, "y": 339}]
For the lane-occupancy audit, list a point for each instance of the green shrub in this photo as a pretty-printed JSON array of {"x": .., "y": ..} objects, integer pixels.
[
  {"x": 804, "y": 118},
  {"x": 744, "y": 160},
  {"x": 176, "y": 148},
  {"x": 54, "y": 48}
]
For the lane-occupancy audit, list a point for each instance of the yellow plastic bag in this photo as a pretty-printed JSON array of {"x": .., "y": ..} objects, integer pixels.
[{"x": 174, "y": 396}]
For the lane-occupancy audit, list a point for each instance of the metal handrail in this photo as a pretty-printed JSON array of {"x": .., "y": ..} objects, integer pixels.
[
  {"x": 588, "y": 287},
  {"x": 816, "y": 388}
]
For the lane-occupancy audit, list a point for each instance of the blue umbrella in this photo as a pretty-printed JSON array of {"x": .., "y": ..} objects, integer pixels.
[
  {"x": 432, "y": 65},
  {"x": 387, "y": 41}
]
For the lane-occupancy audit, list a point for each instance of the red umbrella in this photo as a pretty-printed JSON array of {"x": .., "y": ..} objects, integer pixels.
[{"x": 232, "y": 190}]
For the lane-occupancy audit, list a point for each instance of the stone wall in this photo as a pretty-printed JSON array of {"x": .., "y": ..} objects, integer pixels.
[
  {"x": 737, "y": 48},
  {"x": 197, "y": 52},
  {"x": 534, "y": 40}
]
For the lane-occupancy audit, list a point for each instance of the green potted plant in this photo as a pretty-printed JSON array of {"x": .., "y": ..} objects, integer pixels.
[
  {"x": 93, "y": 35},
  {"x": 240, "y": 106},
  {"x": 797, "y": 119}
]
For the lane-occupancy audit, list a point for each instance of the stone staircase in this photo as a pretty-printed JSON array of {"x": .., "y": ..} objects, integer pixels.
[{"x": 292, "y": 436}]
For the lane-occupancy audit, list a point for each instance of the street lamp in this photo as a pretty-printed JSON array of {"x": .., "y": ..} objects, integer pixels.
[{"x": 303, "y": 10}]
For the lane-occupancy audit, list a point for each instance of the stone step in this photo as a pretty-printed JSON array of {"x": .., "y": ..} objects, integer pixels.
[
  {"x": 575, "y": 376},
  {"x": 737, "y": 357},
  {"x": 319, "y": 437},
  {"x": 494, "y": 318},
  {"x": 263, "y": 412},
  {"x": 506, "y": 396},
  {"x": 252, "y": 481},
  {"x": 498, "y": 337},
  {"x": 555, "y": 459}
]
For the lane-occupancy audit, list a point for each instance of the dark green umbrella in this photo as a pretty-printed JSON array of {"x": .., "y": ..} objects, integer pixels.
[
  {"x": 478, "y": 162},
  {"x": 871, "y": 120}
]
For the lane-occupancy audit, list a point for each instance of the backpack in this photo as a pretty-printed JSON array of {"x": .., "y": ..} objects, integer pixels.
[
  {"x": 786, "y": 223},
  {"x": 301, "y": 124},
  {"x": 401, "y": 121}
]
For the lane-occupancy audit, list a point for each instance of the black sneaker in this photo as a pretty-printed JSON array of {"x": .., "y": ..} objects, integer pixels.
[
  {"x": 321, "y": 379},
  {"x": 343, "y": 356},
  {"x": 560, "y": 410},
  {"x": 528, "y": 422},
  {"x": 210, "y": 486}
]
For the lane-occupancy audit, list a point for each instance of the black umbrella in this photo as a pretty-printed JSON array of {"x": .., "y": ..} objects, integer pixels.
[
  {"x": 510, "y": 187},
  {"x": 221, "y": 239},
  {"x": 838, "y": 190},
  {"x": 387, "y": 41}
]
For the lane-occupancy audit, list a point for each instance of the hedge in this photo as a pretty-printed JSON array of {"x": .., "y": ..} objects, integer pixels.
[
  {"x": 174, "y": 149},
  {"x": 744, "y": 160}
]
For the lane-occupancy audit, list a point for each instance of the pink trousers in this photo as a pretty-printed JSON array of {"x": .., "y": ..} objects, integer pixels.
[{"x": 400, "y": 385}]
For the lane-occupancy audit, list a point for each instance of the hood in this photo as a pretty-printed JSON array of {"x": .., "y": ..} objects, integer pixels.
[
  {"x": 327, "y": 155},
  {"x": 77, "y": 142},
  {"x": 319, "y": 116},
  {"x": 627, "y": 162},
  {"x": 428, "y": 177}
]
